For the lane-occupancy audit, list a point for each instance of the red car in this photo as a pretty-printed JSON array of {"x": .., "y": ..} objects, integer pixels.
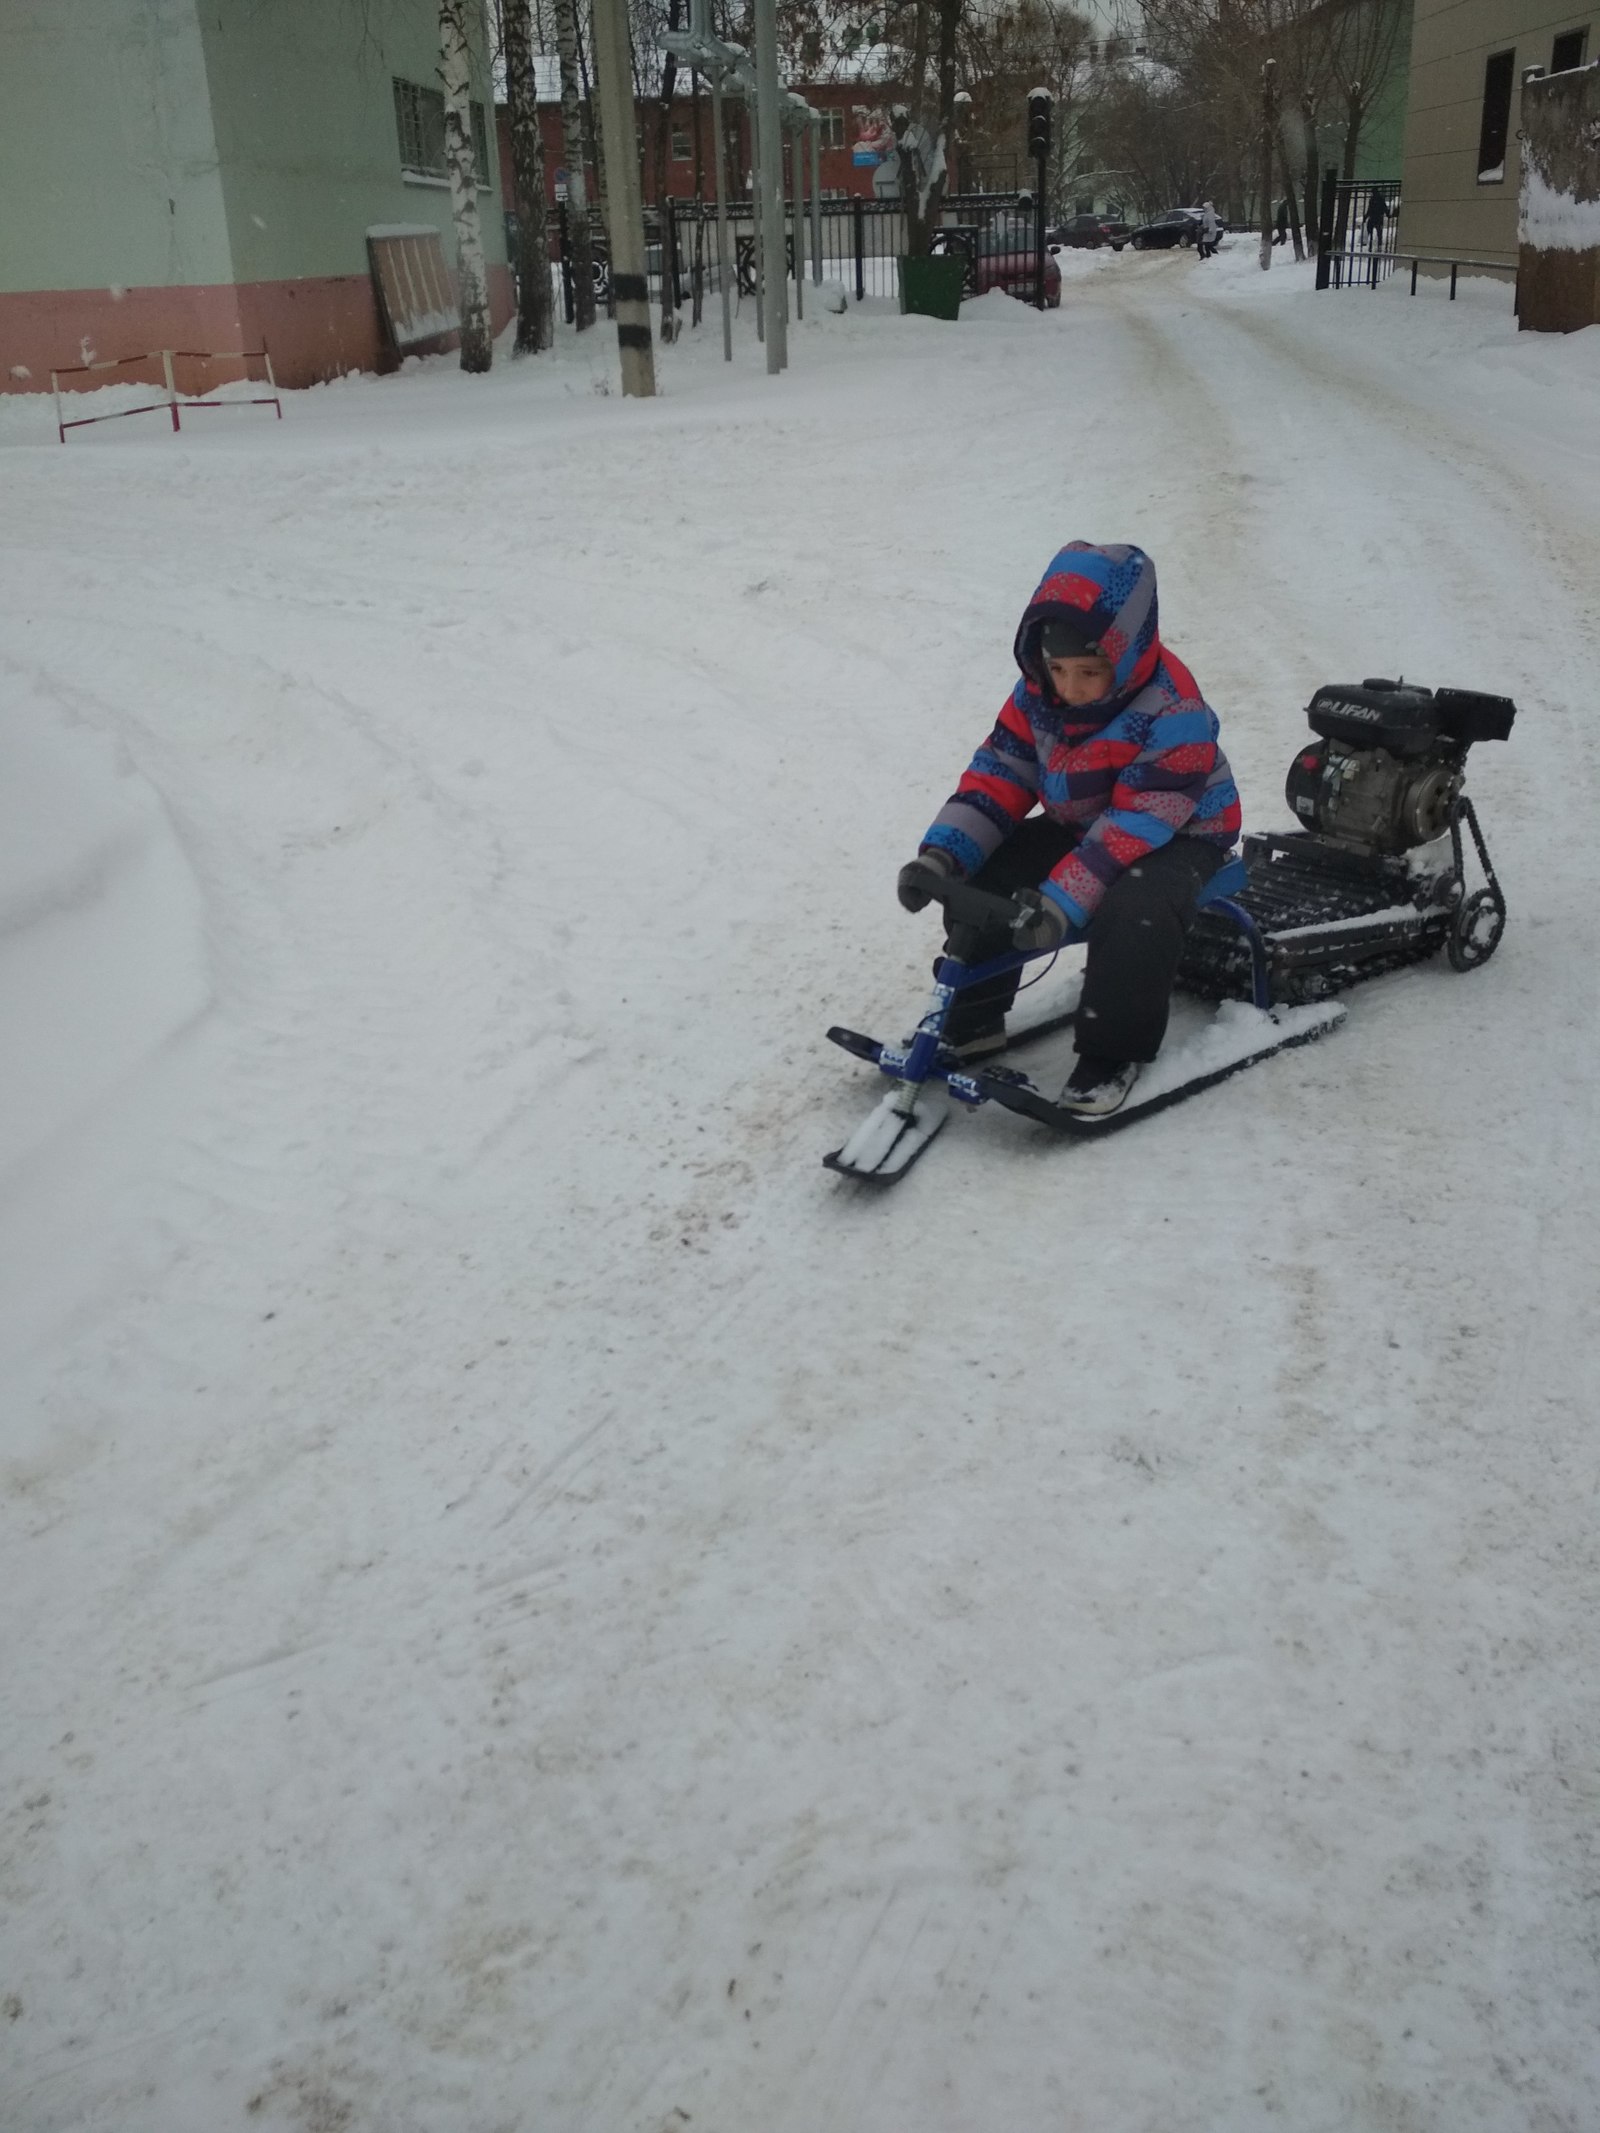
[{"x": 1006, "y": 261}]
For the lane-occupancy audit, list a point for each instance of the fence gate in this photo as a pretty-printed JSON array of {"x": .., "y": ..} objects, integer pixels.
[{"x": 1358, "y": 228}]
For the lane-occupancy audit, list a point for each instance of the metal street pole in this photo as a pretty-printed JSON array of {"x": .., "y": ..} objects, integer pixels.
[
  {"x": 721, "y": 145},
  {"x": 769, "y": 110},
  {"x": 629, "y": 268},
  {"x": 815, "y": 131},
  {"x": 758, "y": 234}
]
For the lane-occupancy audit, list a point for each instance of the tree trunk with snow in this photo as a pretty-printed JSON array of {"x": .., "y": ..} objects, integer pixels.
[
  {"x": 472, "y": 279},
  {"x": 1269, "y": 126},
  {"x": 580, "y": 245},
  {"x": 924, "y": 149},
  {"x": 1311, "y": 192},
  {"x": 1354, "y": 112},
  {"x": 669, "y": 89},
  {"x": 1289, "y": 199},
  {"x": 535, "y": 310}
]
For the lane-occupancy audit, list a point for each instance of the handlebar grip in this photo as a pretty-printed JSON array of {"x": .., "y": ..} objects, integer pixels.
[{"x": 966, "y": 905}]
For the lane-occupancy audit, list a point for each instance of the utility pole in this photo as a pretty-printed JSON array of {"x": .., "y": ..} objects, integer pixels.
[
  {"x": 769, "y": 123},
  {"x": 629, "y": 282},
  {"x": 1040, "y": 105},
  {"x": 1269, "y": 126}
]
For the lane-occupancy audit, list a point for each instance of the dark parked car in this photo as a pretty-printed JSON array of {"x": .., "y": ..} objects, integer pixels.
[
  {"x": 1117, "y": 234},
  {"x": 1180, "y": 225},
  {"x": 1006, "y": 261},
  {"x": 1082, "y": 231}
]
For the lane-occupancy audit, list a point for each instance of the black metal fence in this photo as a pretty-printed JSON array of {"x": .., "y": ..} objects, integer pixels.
[
  {"x": 1359, "y": 226},
  {"x": 860, "y": 241}
]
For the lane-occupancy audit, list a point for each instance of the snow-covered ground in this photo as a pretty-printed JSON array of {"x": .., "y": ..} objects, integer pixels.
[{"x": 532, "y": 1608}]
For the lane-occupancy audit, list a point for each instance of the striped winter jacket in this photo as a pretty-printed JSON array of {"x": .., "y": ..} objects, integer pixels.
[{"x": 1133, "y": 770}]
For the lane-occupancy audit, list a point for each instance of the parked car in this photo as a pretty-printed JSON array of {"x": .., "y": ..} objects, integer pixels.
[
  {"x": 1179, "y": 225},
  {"x": 1117, "y": 234},
  {"x": 1086, "y": 232},
  {"x": 1006, "y": 261}
]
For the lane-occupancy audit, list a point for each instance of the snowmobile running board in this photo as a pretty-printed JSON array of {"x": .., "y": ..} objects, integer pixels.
[
  {"x": 884, "y": 1147},
  {"x": 1188, "y": 1074}
]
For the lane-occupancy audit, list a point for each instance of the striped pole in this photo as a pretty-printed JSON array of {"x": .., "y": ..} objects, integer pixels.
[
  {"x": 629, "y": 277},
  {"x": 769, "y": 178}
]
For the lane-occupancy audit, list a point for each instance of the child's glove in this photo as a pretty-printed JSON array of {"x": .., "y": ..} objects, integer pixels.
[
  {"x": 913, "y": 896},
  {"x": 1042, "y": 925}
]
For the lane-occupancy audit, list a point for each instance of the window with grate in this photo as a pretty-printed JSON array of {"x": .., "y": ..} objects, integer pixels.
[
  {"x": 682, "y": 146},
  {"x": 1498, "y": 70},
  {"x": 419, "y": 122},
  {"x": 1567, "y": 51}
]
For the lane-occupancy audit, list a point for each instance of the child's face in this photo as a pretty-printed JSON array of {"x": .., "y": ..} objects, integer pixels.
[{"x": 1081, "y": 681}]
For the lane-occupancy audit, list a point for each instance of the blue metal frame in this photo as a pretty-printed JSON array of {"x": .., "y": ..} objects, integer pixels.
[{"x": 918, "y": 1061}]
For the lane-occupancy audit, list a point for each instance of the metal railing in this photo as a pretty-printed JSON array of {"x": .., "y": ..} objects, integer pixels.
[
  {"x": 860, "y": 242},
  {"x": 1358, "y": 226},
  {"x": 1437, "y": 259}
]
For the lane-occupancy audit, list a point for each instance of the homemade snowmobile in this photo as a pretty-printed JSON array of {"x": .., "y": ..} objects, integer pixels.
[{"x": 1374, "y": 879}]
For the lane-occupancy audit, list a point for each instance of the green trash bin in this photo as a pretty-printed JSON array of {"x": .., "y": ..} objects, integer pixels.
[{"x": 932, "y": 286}]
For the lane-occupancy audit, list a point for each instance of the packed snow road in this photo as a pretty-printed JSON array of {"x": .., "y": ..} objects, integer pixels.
[{"x": 532, "y": 1607}]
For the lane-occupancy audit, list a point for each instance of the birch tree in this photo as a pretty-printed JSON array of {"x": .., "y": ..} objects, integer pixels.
[
  {"x": 535, "y": 310},
  {"x": 580, "y": 241},
  {"x": 472, "y": 279}
]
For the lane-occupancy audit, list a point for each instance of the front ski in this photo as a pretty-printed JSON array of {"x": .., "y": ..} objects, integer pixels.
[
  {"x": 889, "y": 1139},
  {"x": 1018, "y": 1034},
  {"x": 1237, "y": 1037}
]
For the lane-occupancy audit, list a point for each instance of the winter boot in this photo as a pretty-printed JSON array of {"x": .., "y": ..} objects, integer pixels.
[
  {"x": 1097, "y": 1087},
  {"x": 980, "y": 1043}
]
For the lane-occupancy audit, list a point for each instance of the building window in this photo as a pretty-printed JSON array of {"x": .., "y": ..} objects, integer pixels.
[
  {"x": 1497, "y": 76},
  {"x": 419, "y": 120},
  {"x": 831, "y": 132},
  {"x": 682, "y": 146},
  {"x": 1567, "y": 51}
]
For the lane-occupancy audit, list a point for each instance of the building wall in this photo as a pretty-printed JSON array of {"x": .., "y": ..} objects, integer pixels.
[
  {"x": 226, "y": 160},
  {"x": 303, "y": 106},
  {"x": 1444, "y": 208},
  {"x": 1380, "y": 152},
  {"x": 108, "y": 163}
]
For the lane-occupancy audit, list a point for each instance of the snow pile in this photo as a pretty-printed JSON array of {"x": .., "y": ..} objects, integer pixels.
[
  {"x": 101, "y": 952},
  {"x": 103, "y": 968},
  {"x": 1555, "y": 221}
]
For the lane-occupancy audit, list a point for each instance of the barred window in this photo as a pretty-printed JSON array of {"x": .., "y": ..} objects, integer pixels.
[
  {"x": 682, "y": 146},
  {"x": 419, "y": 121}
]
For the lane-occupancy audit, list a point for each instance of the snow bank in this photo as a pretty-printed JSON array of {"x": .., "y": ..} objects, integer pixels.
[
  {"x": 101, "y": 951},
  {"x": 102, "y": 965},
  {"x": 1556, "y": 221}
]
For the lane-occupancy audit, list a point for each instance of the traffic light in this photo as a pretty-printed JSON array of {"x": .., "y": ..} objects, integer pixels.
[{"x": 1039, "y": 104}]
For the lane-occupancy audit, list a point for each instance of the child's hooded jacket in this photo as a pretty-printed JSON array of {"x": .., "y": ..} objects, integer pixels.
[{"x": 1132, "y": 770}]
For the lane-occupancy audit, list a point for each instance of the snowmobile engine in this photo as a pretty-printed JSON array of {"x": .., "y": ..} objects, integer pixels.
[
  {"x": 1388, "y": 765},
  {"x": 1375, "y": 876}
]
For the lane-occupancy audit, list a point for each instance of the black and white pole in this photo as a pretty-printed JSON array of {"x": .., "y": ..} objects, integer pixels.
[
  {"x": 724, "y": 272},
  {"x": 815, "y": 131},
  {"x": 769, "y": 110},
  {"x": 629, "y": 272},
  {"x": 1040, "y": 104}
]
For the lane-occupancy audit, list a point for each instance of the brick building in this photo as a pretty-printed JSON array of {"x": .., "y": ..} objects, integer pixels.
[{"x": 851, "y": 151}]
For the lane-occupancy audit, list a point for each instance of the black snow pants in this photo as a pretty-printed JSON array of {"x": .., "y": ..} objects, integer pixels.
[{"x": 1134, "y": 940}]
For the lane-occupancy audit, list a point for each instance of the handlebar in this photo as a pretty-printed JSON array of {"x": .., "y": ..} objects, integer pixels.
[{"x": 968, "y": 906}]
